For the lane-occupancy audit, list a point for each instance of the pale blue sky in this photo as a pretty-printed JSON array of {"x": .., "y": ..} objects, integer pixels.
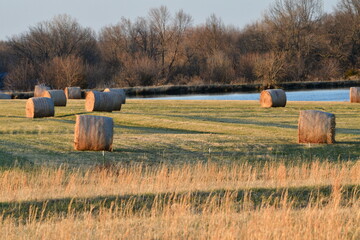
[{"x": 17, "y": 16}]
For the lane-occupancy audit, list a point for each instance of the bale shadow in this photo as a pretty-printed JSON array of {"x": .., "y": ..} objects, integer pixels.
[
  {"x": 340, "y": 151},
  {"x": 1, "y": 116},
  {"x": 70, "y": 115},
  {"x": 242, "y": 121},
  {"x": 164, "y": 130}
]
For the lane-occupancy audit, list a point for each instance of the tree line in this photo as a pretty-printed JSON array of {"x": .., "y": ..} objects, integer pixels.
[{"x": 295, "y": 40}]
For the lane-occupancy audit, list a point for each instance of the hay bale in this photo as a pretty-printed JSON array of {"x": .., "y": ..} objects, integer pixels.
[
  {"x": 73, "y": 92},
  {"x": 316, "y": 127},
  {"x": 116, "y": 100},
  {"x": 58, "y": 96},
  {"x": 118, "y": 90},
  {"x": 273, "y": 98},
  {"x": 39, "y": 89},
  {"x": 85, "y": 93},
  {"x": 5, "y": 96},
  {"x": 99, "y": 101},
  {"x": 38, "y": 107},
  {"x": 355, "y": 94},
  {"x": 93, "y": 133}
]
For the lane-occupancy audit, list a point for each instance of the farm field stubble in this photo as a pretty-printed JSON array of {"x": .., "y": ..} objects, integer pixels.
[{"x": 177, "y": 167}]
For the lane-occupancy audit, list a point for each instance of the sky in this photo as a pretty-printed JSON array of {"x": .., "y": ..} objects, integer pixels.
[{"x": 17, "y": 16}]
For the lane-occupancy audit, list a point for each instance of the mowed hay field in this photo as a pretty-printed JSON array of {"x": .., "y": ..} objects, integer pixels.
[{"x": 180, "y": 170}]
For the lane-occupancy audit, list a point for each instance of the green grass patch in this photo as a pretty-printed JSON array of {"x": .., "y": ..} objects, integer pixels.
[{"x": 153, "y": 131}]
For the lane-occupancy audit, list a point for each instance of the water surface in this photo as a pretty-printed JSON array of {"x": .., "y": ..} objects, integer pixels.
[{"x": 338, "y": 95}]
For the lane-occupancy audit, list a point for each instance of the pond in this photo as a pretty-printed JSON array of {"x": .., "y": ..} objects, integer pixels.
[{"x": 337, "y": 95}]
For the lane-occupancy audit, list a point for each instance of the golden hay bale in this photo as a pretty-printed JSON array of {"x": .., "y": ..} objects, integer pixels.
[
  {"x": 38, "y": 107},
  {"x": 58, "y": 96},
  {"x": 93, "y": 133},
  {"x": 99, "y": 101},
  {"x": 5, "y": 96},
  {"x": 355, "y": 94},
  {"x": 73, "y": 92},
  {"x": 86, "y": 92},
  {"x": 118, "y": 90},
  {"x": 273, "y": 98},
  {"x": 316, "y": 127},
  {"x": 39, "y": 89}
]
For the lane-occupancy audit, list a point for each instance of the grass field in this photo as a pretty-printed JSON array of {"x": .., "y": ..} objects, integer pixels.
[
  {"x": 177, "y": 132},
  {"x": 180, "y": 169}
]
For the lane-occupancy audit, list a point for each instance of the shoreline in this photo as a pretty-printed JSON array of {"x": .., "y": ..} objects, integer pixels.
[
  {"x": 240, "y": 88},
  {"x": 215, "y": 89}
]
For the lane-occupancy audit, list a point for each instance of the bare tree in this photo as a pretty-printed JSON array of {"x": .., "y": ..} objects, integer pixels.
[
  {"x": 4, "y": 56},
  {"x": 270, "y": 67},
  {"x": 347, "y": 27},
  {"x": 59, "y": 38},
  {"x": 214, "y": 33},
  {"x": 351, "y": 7},
  {"x": 160, "y": 23},
  {"x": 293, "y": 20},
  {"x": 21, "y": 76},
  {"x": 219, "y": 68},
  {"x": 293, "y": 25},
  {"x": 181, "y": 24},
  {"x": 63, "y": 72},
  {"x": 62, "y": 36},
  {"x": 169, "y": 33}
]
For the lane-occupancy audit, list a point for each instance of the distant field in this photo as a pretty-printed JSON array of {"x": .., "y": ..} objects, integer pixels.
[
  {"x": 178, "y": 131},
  {"x": 180, "y": 169}
]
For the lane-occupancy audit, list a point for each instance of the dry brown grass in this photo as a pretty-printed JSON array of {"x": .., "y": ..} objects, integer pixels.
[
  {"x": 18, "y": 185},
  {"x": 220, "y": 218},
  {"x": 188, "y": 132}
]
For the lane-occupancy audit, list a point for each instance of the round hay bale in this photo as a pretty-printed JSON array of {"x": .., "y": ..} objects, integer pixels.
[
  {"x": 273, "y": 98},
  {"x": 39, "y": 89},
  {"x": 85, "y": 93},
  {"x": 99, "y": 101},
  {"x": 116, "y": 100},
  {"x": 38, "y": 107},
  {"x": 58, "y": 96},
  {"x": 5, "y": 96},
  {"x": 94, "y": 133},
  {"x": 118, "y": 90},
  {"x": 73, "y": 92},
  {"x": 355, "y": 94},
  {"x": 316, "y": 127}
]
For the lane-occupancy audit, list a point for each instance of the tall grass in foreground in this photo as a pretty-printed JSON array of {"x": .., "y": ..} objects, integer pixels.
[
  {"x": 47, "y": 183},
  {"x": 216, "y": 218}
]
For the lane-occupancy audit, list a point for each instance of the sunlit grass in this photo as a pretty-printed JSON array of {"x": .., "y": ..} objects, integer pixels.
[
  {"x": 153, "y": 131},
  {"x": 44, "y": 183},
  {"x": 183, "y": 217},
  {"x": 180, "y": 170}
]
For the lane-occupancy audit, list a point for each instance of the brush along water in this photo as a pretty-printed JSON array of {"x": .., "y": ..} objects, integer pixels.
[
  {"x": 39, "y": 90},
  {"x": 94, "y": 133},
  {"x": 38, "y": 107},
  {"x": 99, "y": 101},
  {"x": 118, "y": 90},
  {"x": 58, "y": 96},
  {"x": 273, "y": 98},
  {"x": 73, "y": 92},
  {"x": 316, "y": 127},
  {"x": 355, "y": 94}
]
